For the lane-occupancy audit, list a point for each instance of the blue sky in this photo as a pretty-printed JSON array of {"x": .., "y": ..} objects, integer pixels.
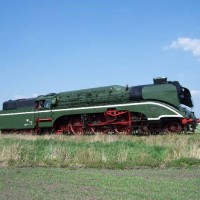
[{"x": 53, "y": 46}]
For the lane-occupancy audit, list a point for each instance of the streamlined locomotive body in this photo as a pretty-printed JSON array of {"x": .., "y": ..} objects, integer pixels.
[{"x": 164, "y": 106}]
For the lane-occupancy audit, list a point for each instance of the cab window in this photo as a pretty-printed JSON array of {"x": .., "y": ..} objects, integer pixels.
[{"x": 47, "y": 104}]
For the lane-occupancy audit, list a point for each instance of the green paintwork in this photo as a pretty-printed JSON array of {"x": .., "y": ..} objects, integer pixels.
[
  {"x": 17, "y": 119},
  {"x": 93, "y": 96},
  {"x": 159, "y": 101},
  {"x": 163, "y": 92}
]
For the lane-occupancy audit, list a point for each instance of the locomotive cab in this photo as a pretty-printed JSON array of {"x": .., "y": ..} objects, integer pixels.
[
  {"x": 45, "y": 101},
  {"x": 44, "y": 115}
]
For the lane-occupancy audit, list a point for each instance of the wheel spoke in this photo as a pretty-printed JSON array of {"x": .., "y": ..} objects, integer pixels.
[
  {"x": 173, "y": 127},
  {"x": 75, "y": 126},
  {"x": 123, "y": 129}
]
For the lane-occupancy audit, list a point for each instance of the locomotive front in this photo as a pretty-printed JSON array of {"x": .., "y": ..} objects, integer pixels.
[
  {"x": 186, "y": 105},
  {"x": 173, "y": 96}
]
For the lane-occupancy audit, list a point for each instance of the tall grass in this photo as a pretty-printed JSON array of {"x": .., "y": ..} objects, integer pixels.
[{"x": 100, "y": 151}]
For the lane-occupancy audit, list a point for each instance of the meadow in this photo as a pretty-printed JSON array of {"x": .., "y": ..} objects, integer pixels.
[
  {"x": 100, "y": 167},
  {"x": 99, "y": 184},
  {"x": 100, "y": 151}
]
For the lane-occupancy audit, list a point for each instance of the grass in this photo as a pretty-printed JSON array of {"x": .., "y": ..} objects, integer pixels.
[
  {"x": 100, "y": 167},
  {"x": 100, "y": 151},
  {"x": 96, "y": 184}
]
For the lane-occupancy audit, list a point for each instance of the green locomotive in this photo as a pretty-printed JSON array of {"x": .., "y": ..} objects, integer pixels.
[{"x": 163, "y": 106}]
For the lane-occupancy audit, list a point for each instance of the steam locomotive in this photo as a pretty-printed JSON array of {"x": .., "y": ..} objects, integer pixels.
[{"x": 162, "y": 107}]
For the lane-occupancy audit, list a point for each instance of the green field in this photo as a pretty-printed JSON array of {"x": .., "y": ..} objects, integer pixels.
[
  {"x": 100, "y": 151},
  {"x": 100, "y": 167},
  {"x": 58, "y": 183}
]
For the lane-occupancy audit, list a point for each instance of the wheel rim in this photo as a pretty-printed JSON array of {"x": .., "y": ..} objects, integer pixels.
[
  {"x": 174, "y": 127},
  {"x": 76, "y": 127}
]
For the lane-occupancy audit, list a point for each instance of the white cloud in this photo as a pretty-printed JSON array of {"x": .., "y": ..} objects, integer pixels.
[
  {"x": 34, "y": 95},
  {"x": 186, "y": 44},
  {"x": 195, "y": 92}
]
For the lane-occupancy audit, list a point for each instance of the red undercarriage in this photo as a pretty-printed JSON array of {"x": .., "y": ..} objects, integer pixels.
[
  {"x": 111, "y": 122},
  {"x": 108, "y": 122},
  {"x": 119, "y": 122}
]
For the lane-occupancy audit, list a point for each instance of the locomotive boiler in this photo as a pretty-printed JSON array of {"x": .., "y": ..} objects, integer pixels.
[{"x": 161, "y": 107}]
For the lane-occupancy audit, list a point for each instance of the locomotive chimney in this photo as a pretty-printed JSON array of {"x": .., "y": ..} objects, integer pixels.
[{"x": 160, "y": 80}]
